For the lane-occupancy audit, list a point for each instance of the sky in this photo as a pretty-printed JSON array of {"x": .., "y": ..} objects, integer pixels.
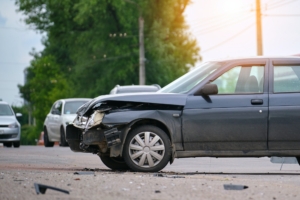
[{"x": 222, "y": 28}]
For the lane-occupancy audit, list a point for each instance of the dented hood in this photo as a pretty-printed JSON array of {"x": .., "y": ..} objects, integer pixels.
[{"x": 156, "y": 98}]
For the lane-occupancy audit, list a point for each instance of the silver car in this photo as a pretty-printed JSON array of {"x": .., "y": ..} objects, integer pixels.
[
  {"x": 10, "y": 128},
  {"x": 62, "y": 113}
]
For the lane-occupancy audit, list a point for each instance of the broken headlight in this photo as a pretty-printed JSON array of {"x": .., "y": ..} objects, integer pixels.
[
  {"x": 80, "y": 122},
  {"x": 95, "y": 119}
]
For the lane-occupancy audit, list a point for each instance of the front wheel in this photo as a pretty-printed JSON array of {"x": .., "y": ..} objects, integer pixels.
[
  {"x": 63, "y": 142},
  {"x": 147, "y": 149},
  {"x": 7, "y": 144},
  {"x": 114, "y": 163}
]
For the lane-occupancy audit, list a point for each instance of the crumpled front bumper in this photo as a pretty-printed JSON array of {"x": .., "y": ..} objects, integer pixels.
[{"x": 80, "y": 142}]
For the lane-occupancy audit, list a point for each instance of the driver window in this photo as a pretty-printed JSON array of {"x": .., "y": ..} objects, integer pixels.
[
  {"x": 56, "y": 109},
  {"x": 241, "y": 79}
]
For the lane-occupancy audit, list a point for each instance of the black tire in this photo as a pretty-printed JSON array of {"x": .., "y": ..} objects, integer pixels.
[
  {"x": 16, "y": 144},
  {"x": 7, "y": 144},
  {"x": 63, "y": 142},
  {"x": 114, "y": 163},
  {"x": 47, "y": 143},
  {"x": 298, "y": 159},
  {"x": 153, "y": 156}
]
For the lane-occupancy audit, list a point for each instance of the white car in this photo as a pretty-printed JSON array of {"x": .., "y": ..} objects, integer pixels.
[
  {"x": 62, "y": 113},
  {"x": 10, "y": 128}
]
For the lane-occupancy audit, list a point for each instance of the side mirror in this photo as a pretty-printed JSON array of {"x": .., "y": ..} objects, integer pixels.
[
  {"x": 18, "y": 115},
  {"x": 208, "y": 89}
]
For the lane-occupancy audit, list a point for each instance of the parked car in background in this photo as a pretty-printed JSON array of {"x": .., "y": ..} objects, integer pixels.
[
  {"x": 10, "y": 128},
  {"x": 134, "y": 89},
  {"x": 228, "y": 108},
  {"x": 62, "y": 113}
]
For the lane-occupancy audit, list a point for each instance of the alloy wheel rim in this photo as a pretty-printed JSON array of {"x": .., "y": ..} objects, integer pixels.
[{"x": 146, "y": 149}]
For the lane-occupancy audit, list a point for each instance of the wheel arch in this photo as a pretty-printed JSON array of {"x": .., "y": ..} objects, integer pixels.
[{"x": 118, "y": 150}]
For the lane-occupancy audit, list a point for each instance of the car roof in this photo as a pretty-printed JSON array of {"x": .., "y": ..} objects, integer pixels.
[
  {"x": 258, "y": 58},
  {"x": 136, "y": 88},
  {"x": 75, "y": 99},
  {"x": 3, "y": 102}
]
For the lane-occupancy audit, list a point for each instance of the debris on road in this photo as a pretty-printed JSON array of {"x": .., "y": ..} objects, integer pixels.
[
  {"x": 167, "y": 176},
  {"x": 85, "y": 173},
  {"x": 40, "y": 188},
  {"x": 234, "y": 187},
  {"x": 157, "y": 191}
]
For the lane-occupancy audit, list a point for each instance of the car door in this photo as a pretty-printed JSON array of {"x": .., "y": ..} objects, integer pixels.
[
  {"x": 57, "y": 119},
  {"x": 236, "y": 117},
  {"x": 54, "y": 117},
  {"x": 284, "y": 126}
]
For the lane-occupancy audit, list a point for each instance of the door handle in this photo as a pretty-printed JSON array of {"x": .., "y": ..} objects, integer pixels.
[{"x": 257, "y": 101}]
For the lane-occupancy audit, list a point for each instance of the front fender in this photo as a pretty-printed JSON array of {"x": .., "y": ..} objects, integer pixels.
[{"x": 170, "y": 119}]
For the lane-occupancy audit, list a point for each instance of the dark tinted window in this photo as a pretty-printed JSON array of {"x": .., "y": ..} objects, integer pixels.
[
  {"x": 56, "y": 109},
  {"x": 241, "y": 79},
  {"x": 72, "y": 106},
  {"x": 5, "y": 110},
  {"x": 286, "y": 79}
]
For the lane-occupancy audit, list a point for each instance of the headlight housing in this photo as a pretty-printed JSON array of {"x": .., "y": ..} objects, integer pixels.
[
  {"x": 13, "y": 125},
  {"x": 87, "y": 123},
  {"x": 95, "y": 119}
]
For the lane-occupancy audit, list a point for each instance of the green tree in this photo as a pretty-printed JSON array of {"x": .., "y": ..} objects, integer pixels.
[
  {"x": 46, "y": 85},
  {"x": 90, "y": 46}
]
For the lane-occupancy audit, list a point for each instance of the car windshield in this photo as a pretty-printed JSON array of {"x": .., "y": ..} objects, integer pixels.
[
  {"x": 5, "y": 110},
  {"x": 72, "y": 106},
  {"x": 186, "y": 82}
]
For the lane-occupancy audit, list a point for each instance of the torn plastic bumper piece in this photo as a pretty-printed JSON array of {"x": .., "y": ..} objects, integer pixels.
[
  {"x": 112, "y": 137},
  {"x": 41, "y": 189}
]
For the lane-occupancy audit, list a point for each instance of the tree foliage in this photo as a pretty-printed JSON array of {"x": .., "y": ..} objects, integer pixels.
[{"x": 90, "y": 46}]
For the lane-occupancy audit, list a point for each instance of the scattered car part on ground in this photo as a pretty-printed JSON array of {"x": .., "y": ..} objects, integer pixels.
[
  {"x": 62, "y": 113},
  {"x": 84, "y": 173},
  {"x": 167, "y": 176},
  {"x": 41, "y": 189},
  {"x": 284, "y": 160},
  {"x": 234, "y": 187},
  {"x": 10, "y": 128},
  {"x": 229, "y": 108},
  {"x": 134, "y": 89}
]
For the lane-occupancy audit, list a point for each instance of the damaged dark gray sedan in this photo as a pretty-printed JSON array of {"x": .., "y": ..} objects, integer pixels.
[{"x": 230, "y": 108}]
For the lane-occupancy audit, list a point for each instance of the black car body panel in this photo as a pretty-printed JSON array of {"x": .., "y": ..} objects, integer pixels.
[
  {"x": 155, "y": 98},
  {"x": 259, "y": 117}
]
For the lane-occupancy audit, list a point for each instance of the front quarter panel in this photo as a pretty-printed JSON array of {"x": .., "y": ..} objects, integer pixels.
[{"x": 171, "y": 119}]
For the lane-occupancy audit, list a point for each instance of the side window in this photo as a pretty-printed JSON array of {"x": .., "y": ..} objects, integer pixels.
[
  {"x": 241, "y": 79},
  {"x": 286, "y": 79},
  {"x": 56, "y": 109}
]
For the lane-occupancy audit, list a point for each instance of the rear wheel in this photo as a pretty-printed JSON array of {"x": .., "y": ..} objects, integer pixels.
[
  {"x": 16, "y": 144},
  {"x": 147, "y": 149},
  {"x": 298, "y": 159},
  {"x": 114, "y": 163},
  {"x": 47, "y": 143},
  {"x": 63, "y": 142}
]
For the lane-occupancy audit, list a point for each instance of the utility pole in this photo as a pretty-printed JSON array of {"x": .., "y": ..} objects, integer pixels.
[
  {"x": 142, "y": 73},
  {"x": 258, "y": 29}
]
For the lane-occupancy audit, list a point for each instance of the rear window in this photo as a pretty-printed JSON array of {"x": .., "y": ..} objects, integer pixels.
[
  {"x": 5, "y": 110},
  {"x": 72, "y": 106},
  {"x": 286, "y": 79}
]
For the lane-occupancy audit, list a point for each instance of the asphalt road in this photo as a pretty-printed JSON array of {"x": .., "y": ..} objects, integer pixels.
[{"x": 190, "y": 178}]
